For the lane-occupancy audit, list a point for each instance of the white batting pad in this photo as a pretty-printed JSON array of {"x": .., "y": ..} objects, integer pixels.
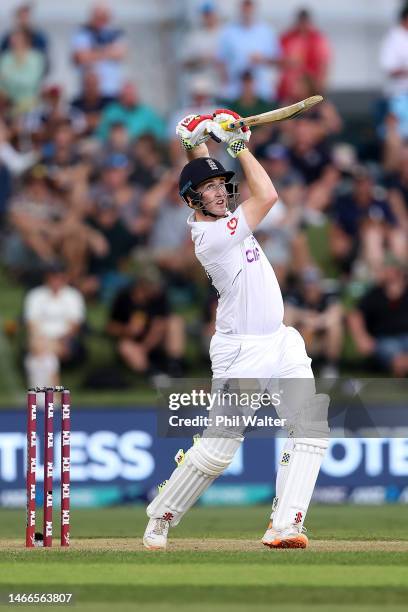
[
  {"x": 203, "y": 462},
  {"x": 302, "y": 471},
  {"x": 283, "y": 471}
]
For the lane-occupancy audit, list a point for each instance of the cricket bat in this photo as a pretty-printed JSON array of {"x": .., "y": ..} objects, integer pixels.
[{"x": 279, "y": 114}]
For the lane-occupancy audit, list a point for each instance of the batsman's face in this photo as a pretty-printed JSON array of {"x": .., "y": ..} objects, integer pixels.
[{"x": 214, "y": 196}]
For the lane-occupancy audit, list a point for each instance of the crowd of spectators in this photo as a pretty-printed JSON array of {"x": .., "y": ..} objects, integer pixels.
[{"x": 90, "y": 210}]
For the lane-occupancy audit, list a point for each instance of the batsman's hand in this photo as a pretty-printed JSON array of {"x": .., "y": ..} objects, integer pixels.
[
  {"x": 192, "y": 130},
  {"x": 236, "y": 140}
]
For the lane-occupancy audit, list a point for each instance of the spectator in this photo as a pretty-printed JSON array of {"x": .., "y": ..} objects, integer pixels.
[
  {"x": 398, "y": 190},
  {"x": 308, "y": 150},
  {"x": 306, "y": 54},
  {"x": 379, "y": 323},
  {"x": 54, "y": 314},
  {"x": 66, "y": 167},
  {"x": 43, "y": 228},
  {"x": 137, "y": 117},
  {"x": 169, "y": 241},
  {"x": 248, "y": 103},
  {"x": 101, "y": 47},
  {"x": 51, "y": 111},
  {"x": 199, "y": 47},
  {"x": 394, "y": 57},
  {"x": 248, "y": 45},
  {"x": 21, "y": 72},
  {"x": 394, "y": 63},
  {"x": 141, "y": 324},
  {"x": 11, "y": 159},
  {"x": 280, "y": 232},
  {"x": 109, "y": 252},
  {"x": 148, "y": 162},
  {"x": 38, "y": 38},
  {"x": 90, "y": 102},
  {"x": 114, "y": 190},
  {"x": 317, "y": 314},
  {"x": 170, "y": 232},
  {"x": 311, "y": 157},
  {"x": 363, "y": 225}
]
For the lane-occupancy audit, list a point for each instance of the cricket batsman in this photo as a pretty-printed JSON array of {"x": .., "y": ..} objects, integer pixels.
[{"x": 250, "y": 341}]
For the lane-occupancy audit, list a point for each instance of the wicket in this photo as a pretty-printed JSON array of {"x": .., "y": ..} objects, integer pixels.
[{"x": 32, "y": 395}]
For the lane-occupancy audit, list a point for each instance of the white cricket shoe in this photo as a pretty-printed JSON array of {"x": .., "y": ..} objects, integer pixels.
[
  {"x": 155, "y": 536},
  {"x": 292, "y": 537}
]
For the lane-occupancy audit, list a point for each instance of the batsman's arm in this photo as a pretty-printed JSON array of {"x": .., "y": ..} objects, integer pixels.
[
  {"x": 200, "y": 150},
  {"x": 261, "y": 188}
]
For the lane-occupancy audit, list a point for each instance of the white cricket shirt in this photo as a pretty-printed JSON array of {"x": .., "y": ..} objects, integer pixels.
[
  {"x": 54, "y": 313},
  {"x": 250, "y": 300}
]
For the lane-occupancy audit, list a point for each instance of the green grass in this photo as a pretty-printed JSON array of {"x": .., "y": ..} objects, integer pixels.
[{"x": 223, "y": 580}]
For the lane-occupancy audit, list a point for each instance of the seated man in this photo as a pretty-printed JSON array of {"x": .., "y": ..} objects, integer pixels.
[
  {"x": 54, "y": 314},
  {"x": 379, "y": 323},
  {"x": 140, "y": 321},
  {"x": 317, "y": 314}
]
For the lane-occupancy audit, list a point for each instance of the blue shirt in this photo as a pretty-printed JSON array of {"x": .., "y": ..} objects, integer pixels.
[
  {"x": 349, "y": 215},
  {"x": 140, "y": 119},
  {"x": 109, "y": 71},
  {"x": 237, "y": 43}
]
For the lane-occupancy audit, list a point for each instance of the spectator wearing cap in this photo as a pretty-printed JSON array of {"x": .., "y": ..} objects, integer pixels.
[
  {"x": 141, "y": 324},
  {"x": 35, "y": 212},
  {"x": 137, "y": 117},
  {"x": 21, "y": 72},
  {"x": 379, "y": 322},
  {"x": 23, "y": 21},
  {"x": 67, "y": 167},
  {"x": 54, "y": 314},
  {"x": 199, "y": 48},
  {"x": 44, "y": 227},
  {"x": 248, "y": 44},
  {"x": 52, "y": 110},
  {"x": 120, "y": 224},
  {"x": 306, "y": 54},
  {"x": 101, "y": 47},
  {"x": 363, "y": 225},
  {"x": 114, "y": 190},
  {"x": 318, "y": 315}
]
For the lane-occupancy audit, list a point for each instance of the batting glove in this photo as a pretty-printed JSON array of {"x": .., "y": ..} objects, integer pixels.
[
  {"x": 236, "y": 140},
  {"x": 192, "y": 130}
]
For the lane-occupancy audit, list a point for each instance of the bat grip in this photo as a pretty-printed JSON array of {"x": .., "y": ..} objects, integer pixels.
[{"x": 230, "y": 127}]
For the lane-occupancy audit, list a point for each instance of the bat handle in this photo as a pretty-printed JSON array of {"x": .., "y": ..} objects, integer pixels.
[{"x": 229, "y": 127}]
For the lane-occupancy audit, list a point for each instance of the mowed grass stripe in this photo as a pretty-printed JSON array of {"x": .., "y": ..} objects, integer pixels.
[
  {"x": 264, "y": 556},
  {"x": 250, "y": 595},
  {"x": 352, "y": 522},
  {"x": 255, "y": 574}
]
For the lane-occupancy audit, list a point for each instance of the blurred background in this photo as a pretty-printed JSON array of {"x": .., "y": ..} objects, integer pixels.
[{"x": 99, "y": 287}]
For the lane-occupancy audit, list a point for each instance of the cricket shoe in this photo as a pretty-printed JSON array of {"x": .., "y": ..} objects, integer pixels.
[
  {"x": 292, "y": 537},
  {"x": 155, "y": 536}
]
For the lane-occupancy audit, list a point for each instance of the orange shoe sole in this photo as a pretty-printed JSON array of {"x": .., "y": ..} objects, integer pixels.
[{"x": 299, "y": 541}]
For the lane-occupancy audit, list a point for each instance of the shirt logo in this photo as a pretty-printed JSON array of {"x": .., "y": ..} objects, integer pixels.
[
  {"x": 232, "y": 225},
  {"x": 252, "y": 254},
  {"x": 212, "y": 164}
]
